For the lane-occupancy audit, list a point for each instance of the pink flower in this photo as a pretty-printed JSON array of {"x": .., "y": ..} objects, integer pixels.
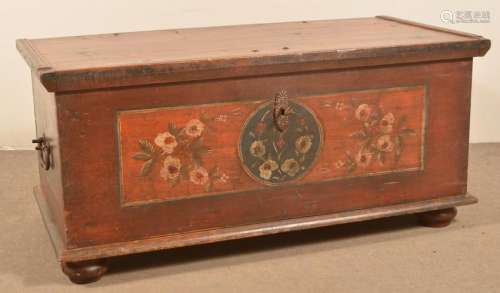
[
  {"x": 166, "y": 141},
  {"x": 363, "y": 159},
  {"x": 363, "y": 112},
  {"x": 386, "y": 123},
  {"x": 384, "y": 143},
  {"x": 194, "y": 128},
  {"x": 199, "y": 176},
  {"x": 171, "y": 168}
]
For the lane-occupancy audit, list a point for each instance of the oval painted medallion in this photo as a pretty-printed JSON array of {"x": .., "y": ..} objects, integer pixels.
[{"x": 274, "y": 157}]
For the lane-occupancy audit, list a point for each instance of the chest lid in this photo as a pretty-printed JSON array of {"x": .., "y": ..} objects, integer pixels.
[{"x": 153, "y": 57}]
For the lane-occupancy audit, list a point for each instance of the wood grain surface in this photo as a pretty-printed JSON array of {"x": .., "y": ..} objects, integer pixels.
[
  {"x": 226, "y": 42},
  {"x": 139, "y": 58}
]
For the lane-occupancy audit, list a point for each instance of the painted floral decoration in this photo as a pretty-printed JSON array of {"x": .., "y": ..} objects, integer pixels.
[
  {"x": 180, "y": 152},
  {"x": 272, "y": 156},
  {"x": 380, "y": 135}
]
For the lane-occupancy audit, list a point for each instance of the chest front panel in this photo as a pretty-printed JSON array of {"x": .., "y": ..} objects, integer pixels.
[
  {"x": 183, "y": 152},
  {"x": 141, "y": 162}
]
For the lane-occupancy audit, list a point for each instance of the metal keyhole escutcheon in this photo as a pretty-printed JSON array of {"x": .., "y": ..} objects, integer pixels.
[{"x": 280, "y": 110}]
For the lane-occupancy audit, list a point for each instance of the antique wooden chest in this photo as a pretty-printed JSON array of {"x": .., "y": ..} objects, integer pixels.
[{"x": 160, "y": 139}]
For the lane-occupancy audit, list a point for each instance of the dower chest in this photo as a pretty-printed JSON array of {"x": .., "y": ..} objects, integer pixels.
[{"x": 154, "y": 140}]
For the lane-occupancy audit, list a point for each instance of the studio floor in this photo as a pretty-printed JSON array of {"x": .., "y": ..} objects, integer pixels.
[{"x": 389, "y": 255}]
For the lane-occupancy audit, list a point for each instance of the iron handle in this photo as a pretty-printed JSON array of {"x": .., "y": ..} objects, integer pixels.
[{"x": 44, "y": 152}]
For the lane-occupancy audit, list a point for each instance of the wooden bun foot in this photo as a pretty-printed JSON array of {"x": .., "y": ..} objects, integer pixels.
[
  {"x": 84, "y": 272},
  {"x": 437, "y": 219}
]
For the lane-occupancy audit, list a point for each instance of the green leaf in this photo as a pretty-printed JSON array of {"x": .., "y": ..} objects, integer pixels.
[
  {"x": 407, "y": 132},
  {"x": 351, "y": 166},
  {"x": 366, "y": 145},
  {"x": 359, "y": 134},
  {"x": 172, "y": 128},
  {"x": 213, "y": 172},
  {"x": 184, "y": 173},
  {"x": 147, "y": 168},
  {"x": 197, "y": 159},
  {"x": 402, "y": 121},
  {"x": 198, "y": 148},
  {"x": 204, "y": 118},
  {"x": 398, "y": 147},
  {"x": 381, "y": 158},
  {"x": 208, "y": 186},
  {"x": 197, "y": 142},
  {"x": 146, "y": 146},
  {"x": 202, "y": 149},
  {"x": 141, "y": 156}
]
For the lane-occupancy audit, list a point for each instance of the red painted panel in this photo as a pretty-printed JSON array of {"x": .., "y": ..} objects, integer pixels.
[{"x": 180, "y": 152}]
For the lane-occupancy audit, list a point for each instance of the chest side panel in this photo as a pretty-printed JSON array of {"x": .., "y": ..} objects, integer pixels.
[
  {"x": 184, "y": 152},
  {"x": 50, "y": 180},
  {"x": 107, "y": 200}
]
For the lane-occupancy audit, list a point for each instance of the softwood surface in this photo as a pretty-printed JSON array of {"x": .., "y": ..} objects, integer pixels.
[
  {"x": 121, "y": 59},
  {"x": 171, "y": 46}
]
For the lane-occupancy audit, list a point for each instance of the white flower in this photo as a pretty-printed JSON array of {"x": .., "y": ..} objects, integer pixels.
[
  {"x": 340, "y": 164},
  {"x": 363, "y": 158},
  {"x": 291, "y": 167},
  {"x": 386, "y": 123},
  {"x": 257, "y": 148},
  {"x": 171, "y": 168},
  {"x": 194, "y": 127},
  {"x": 363, "y": 112},
  {"x": 166, "y": 141},
  {"x": 221, "y": 118},
  {"x": 223, "y": 178},
  {"x": 267, "y": 168},
  {"x": 384, "y": 143},
  {"x": 199, "y": 176},
  {"x": 303, "y": 144}
]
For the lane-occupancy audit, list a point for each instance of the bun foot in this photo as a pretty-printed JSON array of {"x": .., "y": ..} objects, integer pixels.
[
  {"x": 84, "y": 272},
  {"x": 437, "y": 219}
]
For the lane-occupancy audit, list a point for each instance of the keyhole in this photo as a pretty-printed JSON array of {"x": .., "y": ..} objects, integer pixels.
[{"x": 282, "y": 112}]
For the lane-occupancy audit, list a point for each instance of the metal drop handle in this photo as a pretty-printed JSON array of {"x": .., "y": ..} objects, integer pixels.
[{"x": 44, "y": 152}]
